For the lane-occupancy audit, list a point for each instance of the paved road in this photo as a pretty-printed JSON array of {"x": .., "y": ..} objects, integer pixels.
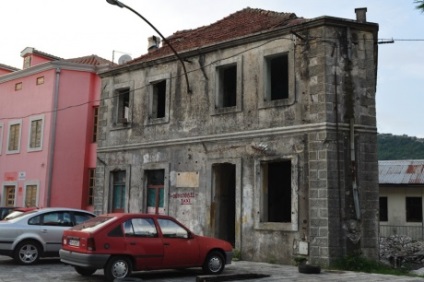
[{"x": 54, "y": 270}]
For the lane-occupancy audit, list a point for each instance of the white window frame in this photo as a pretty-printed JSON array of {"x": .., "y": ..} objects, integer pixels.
[
  {"x": 215, "y": 98},
  {"x": 39, "y": 148},
  {"x": 152, "y": 80},
  {"x": 14, "y": 122}
]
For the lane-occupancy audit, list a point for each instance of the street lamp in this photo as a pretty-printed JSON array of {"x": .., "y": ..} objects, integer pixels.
[{"x": 122, "y": 5}]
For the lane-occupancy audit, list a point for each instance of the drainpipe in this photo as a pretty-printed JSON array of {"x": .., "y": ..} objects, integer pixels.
[
  {"x": 353, "y": 164},
  {"x": 53, "y": 124}
]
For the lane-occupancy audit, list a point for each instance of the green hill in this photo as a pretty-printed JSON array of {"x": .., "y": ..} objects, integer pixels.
[{"x": 399, "y": 147}]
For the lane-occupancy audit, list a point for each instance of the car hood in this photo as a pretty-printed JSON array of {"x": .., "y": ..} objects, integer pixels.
[{"x": 210, "y": 242}]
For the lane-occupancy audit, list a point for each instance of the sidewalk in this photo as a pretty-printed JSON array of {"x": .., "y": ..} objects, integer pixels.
[
  {"x": 52, "y": 270},
  {"x": 290, "y": 273}
]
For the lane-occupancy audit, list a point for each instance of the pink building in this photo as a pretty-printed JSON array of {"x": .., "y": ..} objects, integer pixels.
[{"x": 48, "y": 130}]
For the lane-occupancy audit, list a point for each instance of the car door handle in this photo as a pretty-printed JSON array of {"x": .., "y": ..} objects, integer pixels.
[
  {"x": 166, "y": 244},
  {"x": 132, "y": 243},
  {"x": 44, "y": 230}
]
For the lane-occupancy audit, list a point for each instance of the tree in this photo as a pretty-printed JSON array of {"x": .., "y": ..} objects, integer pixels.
[{"x": 420, "y": 5}]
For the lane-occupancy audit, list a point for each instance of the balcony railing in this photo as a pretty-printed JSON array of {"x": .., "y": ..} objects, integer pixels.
[{"x": 414, "y": 232}]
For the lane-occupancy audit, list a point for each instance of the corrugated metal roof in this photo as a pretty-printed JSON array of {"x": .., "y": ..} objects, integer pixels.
[{"x": 401, "y": 172}]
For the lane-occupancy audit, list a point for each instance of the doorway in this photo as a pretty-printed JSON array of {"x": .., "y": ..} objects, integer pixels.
[{"x": 224, "y": 201}]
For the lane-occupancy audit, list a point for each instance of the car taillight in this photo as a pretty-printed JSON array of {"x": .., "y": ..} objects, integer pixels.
[
  {"x": 64, "y": 240},
  {"x": 90, "y": 244}
]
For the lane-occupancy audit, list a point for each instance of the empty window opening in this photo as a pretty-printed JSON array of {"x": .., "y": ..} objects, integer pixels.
[
  {"x": 155, "y": 191},
  {"x": 227, "y": 95},
  {"x": 123, "y": 105},
  {"x": 383, "y": 209},
  {"x": 277, "y": 191},
  {"x": 278, "y": 77},
  {"x": 414, "y": 209},
  {"x": 159, "y": 99}
]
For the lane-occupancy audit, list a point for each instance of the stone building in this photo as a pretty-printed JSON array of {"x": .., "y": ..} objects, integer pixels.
[{"x": 262, "y": 131}]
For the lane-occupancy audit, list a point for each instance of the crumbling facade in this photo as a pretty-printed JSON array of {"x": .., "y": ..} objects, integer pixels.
[{"x": 270, "y": 142}]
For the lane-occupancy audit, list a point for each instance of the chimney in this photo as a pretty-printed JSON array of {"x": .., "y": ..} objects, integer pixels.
[
  {"x": 361, "y": 15},
  {"x": 153, "y": 43}
]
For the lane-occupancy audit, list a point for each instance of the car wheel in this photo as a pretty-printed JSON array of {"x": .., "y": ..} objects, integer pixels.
[
  {"x": 84, "y": 271},
  {"x": 117, "y": 268},
  {"x": 27, "y": 252},
  {"x": 214, "y": 263}
]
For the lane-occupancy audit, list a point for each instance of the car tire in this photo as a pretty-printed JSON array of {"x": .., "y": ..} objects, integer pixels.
[
  {"x": 214, "y": 263},
  {"x": 118, "y": 268},
  {"x": 84, "y": 271},
  {"x": 27, "y": 252}
]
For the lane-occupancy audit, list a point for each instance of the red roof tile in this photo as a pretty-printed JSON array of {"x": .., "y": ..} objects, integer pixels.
[
  {"x": 242, "y": 23},
  {"x": 8, "y": 68},
  {"x": 93, "y": 60}
]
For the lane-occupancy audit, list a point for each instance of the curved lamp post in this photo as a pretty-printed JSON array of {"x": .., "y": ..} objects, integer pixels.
[{"x": 122, "y": 5}]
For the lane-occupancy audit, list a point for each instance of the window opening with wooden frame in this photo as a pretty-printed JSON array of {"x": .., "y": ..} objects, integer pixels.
[
  {"x": 91, "y": 185},
  {"x": 9, "y": 195},
  {"x": 119, "y": 190},
  {"x": 123, "y": 105},
  {"x": 31, "y": 196},
  {"x": 95, "y": 124},
  {"x": 155, "y": 191},
  {"x": 14, "y": 136},
  {"x": 35, "y": 133}
]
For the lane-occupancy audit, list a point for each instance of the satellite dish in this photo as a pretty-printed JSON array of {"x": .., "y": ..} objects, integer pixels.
[{"x": 124, "y": 59}]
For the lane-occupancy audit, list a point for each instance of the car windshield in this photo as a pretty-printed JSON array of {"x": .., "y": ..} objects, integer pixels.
[{"x": 93, "y": 223}]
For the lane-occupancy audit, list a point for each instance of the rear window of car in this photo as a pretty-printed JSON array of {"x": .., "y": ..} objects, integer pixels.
[
  {"x": 81, "y": 217},
  {"x": 93, "y": 223}
]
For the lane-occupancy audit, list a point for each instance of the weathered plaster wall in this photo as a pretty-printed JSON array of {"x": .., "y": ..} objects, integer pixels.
[{"x": 333, "y": 82}]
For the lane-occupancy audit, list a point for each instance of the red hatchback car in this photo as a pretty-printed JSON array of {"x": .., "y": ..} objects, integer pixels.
[{"x": 121, "y": 243}]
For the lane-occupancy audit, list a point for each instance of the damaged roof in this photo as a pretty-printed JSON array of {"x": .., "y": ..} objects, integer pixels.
[
  {"x": 401, "y": 172},
  {"x": 239, "y": 24}
]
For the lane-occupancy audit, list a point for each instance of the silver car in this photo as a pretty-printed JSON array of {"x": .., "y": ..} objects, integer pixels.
[{"x": 38, "y": 233}]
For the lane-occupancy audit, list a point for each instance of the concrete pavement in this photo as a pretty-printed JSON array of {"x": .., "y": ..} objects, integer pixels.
[{"x": 54, "y": 270}]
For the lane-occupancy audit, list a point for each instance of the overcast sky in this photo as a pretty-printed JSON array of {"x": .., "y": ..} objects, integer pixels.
[{"x": 76, "y": 28}]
